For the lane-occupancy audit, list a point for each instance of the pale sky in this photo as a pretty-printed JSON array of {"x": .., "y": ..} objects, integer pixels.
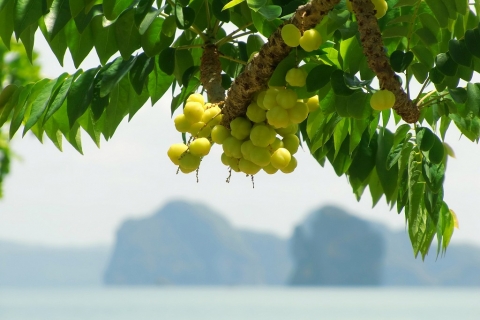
[{"x": 65, "y": 199}]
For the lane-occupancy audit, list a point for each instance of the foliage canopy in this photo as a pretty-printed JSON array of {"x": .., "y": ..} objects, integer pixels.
[{"x": 424, "y": 51}]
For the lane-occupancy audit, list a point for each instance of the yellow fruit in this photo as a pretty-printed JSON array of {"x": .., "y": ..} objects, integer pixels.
[
  {"x": 260, "y": 156},
  {"x": 189, "y": 161},
  {"x": 255, "y": 113},
  {"x": 291, "y": 166},
  {"x": 248, "y": 167},
  {"x": 234, "y": 164},
  {"x": 278, "y": 117},
  {"x": 286, "y": 98},
  {"x": 219, "y": 134},
  {"x": 184, "y": 170},
  {"x": 296, "y": 77},
  {"x": 381, "y": 6},
  {"x": 210, "y": 115},
  {"x": 311, "y": 40},
  {"x": 196, "y": 97},
  {"x": 270, "y": 169},
  {"x": 240, "y": 128},
  {"x": 232, "y": 147},
  {"x": 181, "y": 123},
  {"x": 312, "y": 103},
  {"x": 291, "y": 129},
  {"x": 382, "y": 100},
  {"x": 193, "y": 111},
  {"x": 291, "y": 143},
  {"x": 280, "y": 158},
  {"x": 260, "y": 98},
  {"x": 200, "y": 130},
  {"x": 262, "y": 135},
  {"x": 176, "y": 151},
  {"x": 270, "y": 99},
  {"x": 291, "y": 35},
  {"x": 200, "y": 147},
  {"x": 247, "y": 147},
  {"x": 275, "y": 145},
  {"x": 298, "y": 113},
  {"x": 225, "y": 159}
]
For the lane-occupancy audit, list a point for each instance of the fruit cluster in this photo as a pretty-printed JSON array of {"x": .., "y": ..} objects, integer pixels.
[
  {"x": 264, "y": 139},
  {"x": 310, "y": 40},
  {"x": 381, "y": 7}
]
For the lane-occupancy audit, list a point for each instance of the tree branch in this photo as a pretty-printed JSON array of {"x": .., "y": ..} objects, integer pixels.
[
  {"x": 378, "y": 61},
  {"x": 211, "y": 73}
]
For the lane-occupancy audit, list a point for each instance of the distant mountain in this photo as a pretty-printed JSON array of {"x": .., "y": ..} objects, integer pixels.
[
  {"x": 189, "y": 244},
  {"x": 35, "y": 266},
  {"x": 332, "y": 248}
]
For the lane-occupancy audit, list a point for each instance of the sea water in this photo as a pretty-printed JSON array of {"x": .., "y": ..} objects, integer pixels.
[{"x": 239, "y": 303}]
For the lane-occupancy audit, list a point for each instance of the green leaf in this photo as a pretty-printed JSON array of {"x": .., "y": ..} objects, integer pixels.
[
  {"x": 461, "y": 6},
  {"x": 83, "y": 20},
  {"x": 185, "y": 17},
  {"x": 53, "y": 133},
  {"x": 158, "y": 83},
  {"x": 473, "y": 98},
  {"x": 183, "y": 61},
  {"x": 427, "y": 36},
  {"x": 440, "y": 11},
  {"x": 400, "y": 60},
  {"x": 420, "y": 71},
  {"x": 80, "y": 45},
  {"x": 375, "y": 187},
  {"x": 255, "y": 5},
  {"x": 76, "y": 7},
  {"x": 6, "y": 23},
  {"x": 436, "y": 76},
  {"x": 319, "y": 76},
  {"x": 433, "y": 174},
  {"x": 140, "y": 71},
  {"x": 23, "y": 108},
  {"x": 126, "y": 32},
  {"x": 218, "y": 12},
  {"x": 338, "y": 83},
  {"x": 6, "y": 94},
  {"x": 166, "y": 61},
  {"x": 339, "y": 134},
  {"x": 472, "y": 39},
  {"x": 152, "y": 42},
  {"x": 99, "y": 103},
  {"x": 113, "y": 8},
  {"x": 270, "y": 12},
  {"x": 469, "y": 127},
  {"x": 104, "y": 39},
  {"x": 12, "y": 102},
  {"x": 278, "y": 77},
  {"x": 424, "y": 55},
  {"x": 26, "y": 13},
  {"x": 446, "y": 65},
  {"x": 459, "y": 52},
  {"x": 94, "y": 129},
  {"x": 264, "y": 26},
  {"x": 352, "y": 54},
  {"x": 232, "y": 4},
  {"x": 254, "y": 44},
  {"x": 115, "y": 73},
  {"x": 60, "y": 96},
  {"x": 425, "y": 138},
  {"x": 437, "y": 153},
  {"x": 58, "y": 17},
  {"x": 80, "y": 95},
  {"x": 58, "y": 45},
  {"x": 41, "y": 103},
  {"x": 364, "y": 160},
  {"x": 429, "y": 22},
  {"x": 28, "y": 39},
  {"x": 358, "y": 105},
  {"x": 388, "y": 178}
]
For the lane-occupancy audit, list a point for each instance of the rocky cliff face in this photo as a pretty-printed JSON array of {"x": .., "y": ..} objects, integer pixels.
[
  {"x": 188, "y": 244},
  {"x": 333, "y": 248}
]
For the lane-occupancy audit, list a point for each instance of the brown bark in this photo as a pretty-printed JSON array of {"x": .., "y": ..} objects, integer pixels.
[
  {"x": 260, "y": 69},
  {"x": 211, "y": 74},
  {"x": 378, "y": 61}
]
